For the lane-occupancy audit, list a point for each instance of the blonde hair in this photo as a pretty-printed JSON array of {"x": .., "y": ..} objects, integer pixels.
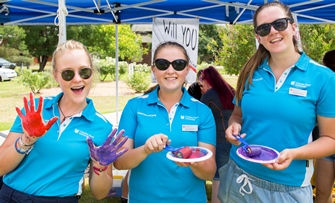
[
  {"x": 261, "y": 53},
  {"x": 70, "y": 45}
]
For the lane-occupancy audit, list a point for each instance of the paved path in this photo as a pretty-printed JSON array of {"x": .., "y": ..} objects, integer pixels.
[{"x": 114, "y": 118}]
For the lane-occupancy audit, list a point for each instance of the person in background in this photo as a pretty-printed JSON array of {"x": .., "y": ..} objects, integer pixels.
[
  {"x": 325, "y": 167},
  {"x": 281, "y": 94},
  {"x": 218, "y": 96},
  {"x": 167, "y": 115},
  {"x": 48, "y": 148},
  {"x": 195, "y": 88}
]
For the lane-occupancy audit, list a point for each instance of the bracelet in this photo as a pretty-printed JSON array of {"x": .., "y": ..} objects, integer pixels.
[
  {"x": 24, "y": 144},
  {"x": 20, "y": 150},
  {"x": 97, "y": 170}
]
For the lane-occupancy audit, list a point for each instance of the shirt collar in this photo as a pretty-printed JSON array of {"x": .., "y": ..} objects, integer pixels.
[
  {"x": 300, "y": 64},
  {"x": 185, "y": 99},
  {"x": 88, "y": 112}
]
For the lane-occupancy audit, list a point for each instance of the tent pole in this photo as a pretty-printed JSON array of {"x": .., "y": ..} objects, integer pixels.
[
  {"x": 117, "y": 74},
  {"x": 61, "y": 13}
]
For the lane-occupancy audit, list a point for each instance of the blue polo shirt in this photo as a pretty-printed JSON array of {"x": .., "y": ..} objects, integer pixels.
[
  {"x": 56, "y": 164},
  {"x": 282, "y": 115},
  {"x": 157, "y": 178}
]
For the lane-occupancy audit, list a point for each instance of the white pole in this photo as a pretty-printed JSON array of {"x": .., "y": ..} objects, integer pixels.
[
  {"x": 117, "y": 75},
  {"x": 61, "y": 14}
]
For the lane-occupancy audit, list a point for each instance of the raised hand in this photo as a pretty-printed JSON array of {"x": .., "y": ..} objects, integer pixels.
[
  {"x": 33, "y": 122},
  {"x": 107, "y": 152}
]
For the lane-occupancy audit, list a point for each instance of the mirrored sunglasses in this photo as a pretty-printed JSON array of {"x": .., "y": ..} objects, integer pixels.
[
  {"x": 163, "y": 64},
  {"x": 84, "y": 73},
  {"x": 279, "y": 24}
]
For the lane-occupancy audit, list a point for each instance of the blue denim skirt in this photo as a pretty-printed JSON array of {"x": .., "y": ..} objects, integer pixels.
[{"x": 237, "y": 186}]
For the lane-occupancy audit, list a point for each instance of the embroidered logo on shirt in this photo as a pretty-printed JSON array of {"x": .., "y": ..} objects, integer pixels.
[
  {"x": 299, "y": 84},
  {"x": 190, "y": 118},
  {"x": 82, "y": 133},
  {"x": 257, "y": 79},
  {"x": 147, "y": 115}
]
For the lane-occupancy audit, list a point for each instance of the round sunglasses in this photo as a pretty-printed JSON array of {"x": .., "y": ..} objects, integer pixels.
[
  {"x": 279, "y": 24},
  {"x": 163, "y": 64},
  {"x": 84, "y": 73}
]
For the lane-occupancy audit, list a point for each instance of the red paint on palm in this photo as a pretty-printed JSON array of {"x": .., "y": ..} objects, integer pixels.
[{"x": 33, "y": 122}]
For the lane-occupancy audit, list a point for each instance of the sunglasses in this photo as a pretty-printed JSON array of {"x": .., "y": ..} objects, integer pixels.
[
  {"x": 279, "y": 24},
  {"x": 163, "y": 64},
  {"x": 84, "y": 73}
]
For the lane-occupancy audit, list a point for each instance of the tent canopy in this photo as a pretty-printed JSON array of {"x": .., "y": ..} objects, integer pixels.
[{"x": 44, "y": 12}]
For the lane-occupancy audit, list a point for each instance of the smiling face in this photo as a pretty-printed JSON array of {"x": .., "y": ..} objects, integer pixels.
[
  {"x": 77, "y": 89},
  {"x": 276, "y": 41},
  {"x": 170, "y": 80}
]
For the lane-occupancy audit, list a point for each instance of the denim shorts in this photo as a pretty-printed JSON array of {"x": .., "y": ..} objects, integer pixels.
[
  {"x": 8, "y": 195},
  {"x": 329, "y": 158},
  {"x": 237, "y": 186}
]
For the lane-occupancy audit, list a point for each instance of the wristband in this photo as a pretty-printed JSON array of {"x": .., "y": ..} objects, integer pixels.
[
  {"x": 24, "y": 144},
  {"x": 20, "y": 150},
  {"x": 97, "y": 170}
]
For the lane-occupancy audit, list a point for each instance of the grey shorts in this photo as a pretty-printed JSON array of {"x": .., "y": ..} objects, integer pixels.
[{"x": 237, "y": 186}]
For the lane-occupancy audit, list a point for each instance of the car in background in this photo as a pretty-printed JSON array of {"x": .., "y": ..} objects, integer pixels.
[
  {"x": 6, "y": 64},
  {"x": 7, "y": 74}
]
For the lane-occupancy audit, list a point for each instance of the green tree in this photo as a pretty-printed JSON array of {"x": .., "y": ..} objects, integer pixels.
[
  {"x": 41, "y": 42},
  {"x": 100, "y": 40},
  {"x": 317, "y": 39},
  {"x": 238, "y": 45},
  {"x": 209, "y": 42}
]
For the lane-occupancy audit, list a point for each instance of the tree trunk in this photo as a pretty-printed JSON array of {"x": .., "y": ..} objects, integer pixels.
[{"x": 42, "y": 62}]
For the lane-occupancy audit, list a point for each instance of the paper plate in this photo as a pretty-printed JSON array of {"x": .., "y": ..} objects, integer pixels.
[
  {"x": 208, "y": 153},
  {"x": 268, "y": 155}
]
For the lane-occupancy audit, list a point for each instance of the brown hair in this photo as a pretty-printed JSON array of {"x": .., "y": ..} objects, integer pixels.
[
  {"x": 261, "y": 53},
  {"x": 171, "y": 44}
]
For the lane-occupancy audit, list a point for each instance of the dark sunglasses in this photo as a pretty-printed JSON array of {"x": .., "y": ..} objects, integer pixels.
[
  {"x": 163, "y": 64},
  {"x": 279, "y": 24},
  {"x": 84, "y": 73}
]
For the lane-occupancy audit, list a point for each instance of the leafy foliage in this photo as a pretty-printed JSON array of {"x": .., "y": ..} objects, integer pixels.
[
  {"x": 139, "y": 81},
  {"x": 238, "y": 45},
  {"x": 107, "y": 67},
  {"x": 100, "y": 40},
  {"x": 317, "y": 40},
  {"x": 209, "y": 42},
  {"x": 34, "y": 80},
  {"x": 41, "y": 42}
]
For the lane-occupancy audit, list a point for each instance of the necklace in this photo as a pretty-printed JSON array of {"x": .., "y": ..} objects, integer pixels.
[{"x": 64, "y": 117}]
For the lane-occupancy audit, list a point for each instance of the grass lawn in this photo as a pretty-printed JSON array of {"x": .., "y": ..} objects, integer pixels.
[{"x": 88, "y": 198}]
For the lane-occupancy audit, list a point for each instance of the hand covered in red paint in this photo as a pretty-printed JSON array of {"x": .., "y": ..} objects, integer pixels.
[
  {"x": 32, "y": 122},
  {"x": 108, "y": 151}
]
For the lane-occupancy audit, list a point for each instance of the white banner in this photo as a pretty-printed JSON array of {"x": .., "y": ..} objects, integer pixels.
[{"x": 183, "y": 31}]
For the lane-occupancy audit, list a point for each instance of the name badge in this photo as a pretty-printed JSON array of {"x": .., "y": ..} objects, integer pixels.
[
  {"x": 298, "y": 92},
  {"x": 193, "y": 128}
]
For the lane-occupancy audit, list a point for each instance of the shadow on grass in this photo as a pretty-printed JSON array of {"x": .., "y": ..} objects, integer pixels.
[{"x": 87, "y": 197}]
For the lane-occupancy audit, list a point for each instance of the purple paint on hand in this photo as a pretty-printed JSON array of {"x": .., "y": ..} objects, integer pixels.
[{"x": 107, "y": 152}]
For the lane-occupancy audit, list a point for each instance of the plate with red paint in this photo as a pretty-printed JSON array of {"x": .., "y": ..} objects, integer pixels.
[
  {"x": 197, "y": 154},
  {"x": 267, "y": 154}
]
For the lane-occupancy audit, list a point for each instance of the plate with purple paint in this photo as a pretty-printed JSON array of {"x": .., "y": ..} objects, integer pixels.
[{"x": 259, "y": 154}]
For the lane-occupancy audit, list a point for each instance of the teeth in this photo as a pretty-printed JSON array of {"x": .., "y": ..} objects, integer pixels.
[
  {"x": 170, "y": 78},
  {"x": 275, "y": 40}
]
